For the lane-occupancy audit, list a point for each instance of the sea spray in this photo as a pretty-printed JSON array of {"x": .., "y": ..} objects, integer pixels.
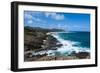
[{"x": 68, "y": 47}]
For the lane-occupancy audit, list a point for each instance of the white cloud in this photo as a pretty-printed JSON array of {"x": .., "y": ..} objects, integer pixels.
[
  {"x": 30, "y": 21},
  {"x": 28, "y": 16},
  {"x": 55, "y": 16},
  {"x": 35, "y": 19}
]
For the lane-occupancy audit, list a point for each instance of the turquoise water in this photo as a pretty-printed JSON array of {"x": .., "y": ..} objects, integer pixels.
[
  {"x": 71, "y": 41},
  {"x": 83, "y": 38}
]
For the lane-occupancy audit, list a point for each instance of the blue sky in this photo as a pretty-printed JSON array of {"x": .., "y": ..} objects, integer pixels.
[{"x": 66, "y": 21}]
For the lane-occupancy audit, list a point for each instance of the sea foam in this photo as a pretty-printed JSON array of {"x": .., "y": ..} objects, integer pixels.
[
  {"x": 66, "y": 49},
  {"x": 68, "y": 46}
]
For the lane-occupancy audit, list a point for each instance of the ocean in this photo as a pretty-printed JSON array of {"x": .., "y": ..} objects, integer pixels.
[
  {"x": 72, "y": 41},
  {"x": 82, "y": 38}
]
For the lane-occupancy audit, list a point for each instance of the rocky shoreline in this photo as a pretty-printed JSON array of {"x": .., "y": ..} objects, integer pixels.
[
  {"x": 44, "y": 57},
  {"x": 36, "y": 40}
]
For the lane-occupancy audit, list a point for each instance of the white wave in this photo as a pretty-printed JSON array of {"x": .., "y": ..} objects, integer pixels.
[
  {"x": 68, "y": 46},
  {"x": 38, "y": 53}
]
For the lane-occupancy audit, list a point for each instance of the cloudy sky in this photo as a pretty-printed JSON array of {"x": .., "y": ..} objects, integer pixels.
[{"x": 66, "y": 21}]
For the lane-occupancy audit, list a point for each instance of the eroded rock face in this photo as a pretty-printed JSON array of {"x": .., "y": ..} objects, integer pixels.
[
  {"x": 51, "y": 42},
  {"x": 81, "y": 55},
  {"x": 34, "y": 41}
]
